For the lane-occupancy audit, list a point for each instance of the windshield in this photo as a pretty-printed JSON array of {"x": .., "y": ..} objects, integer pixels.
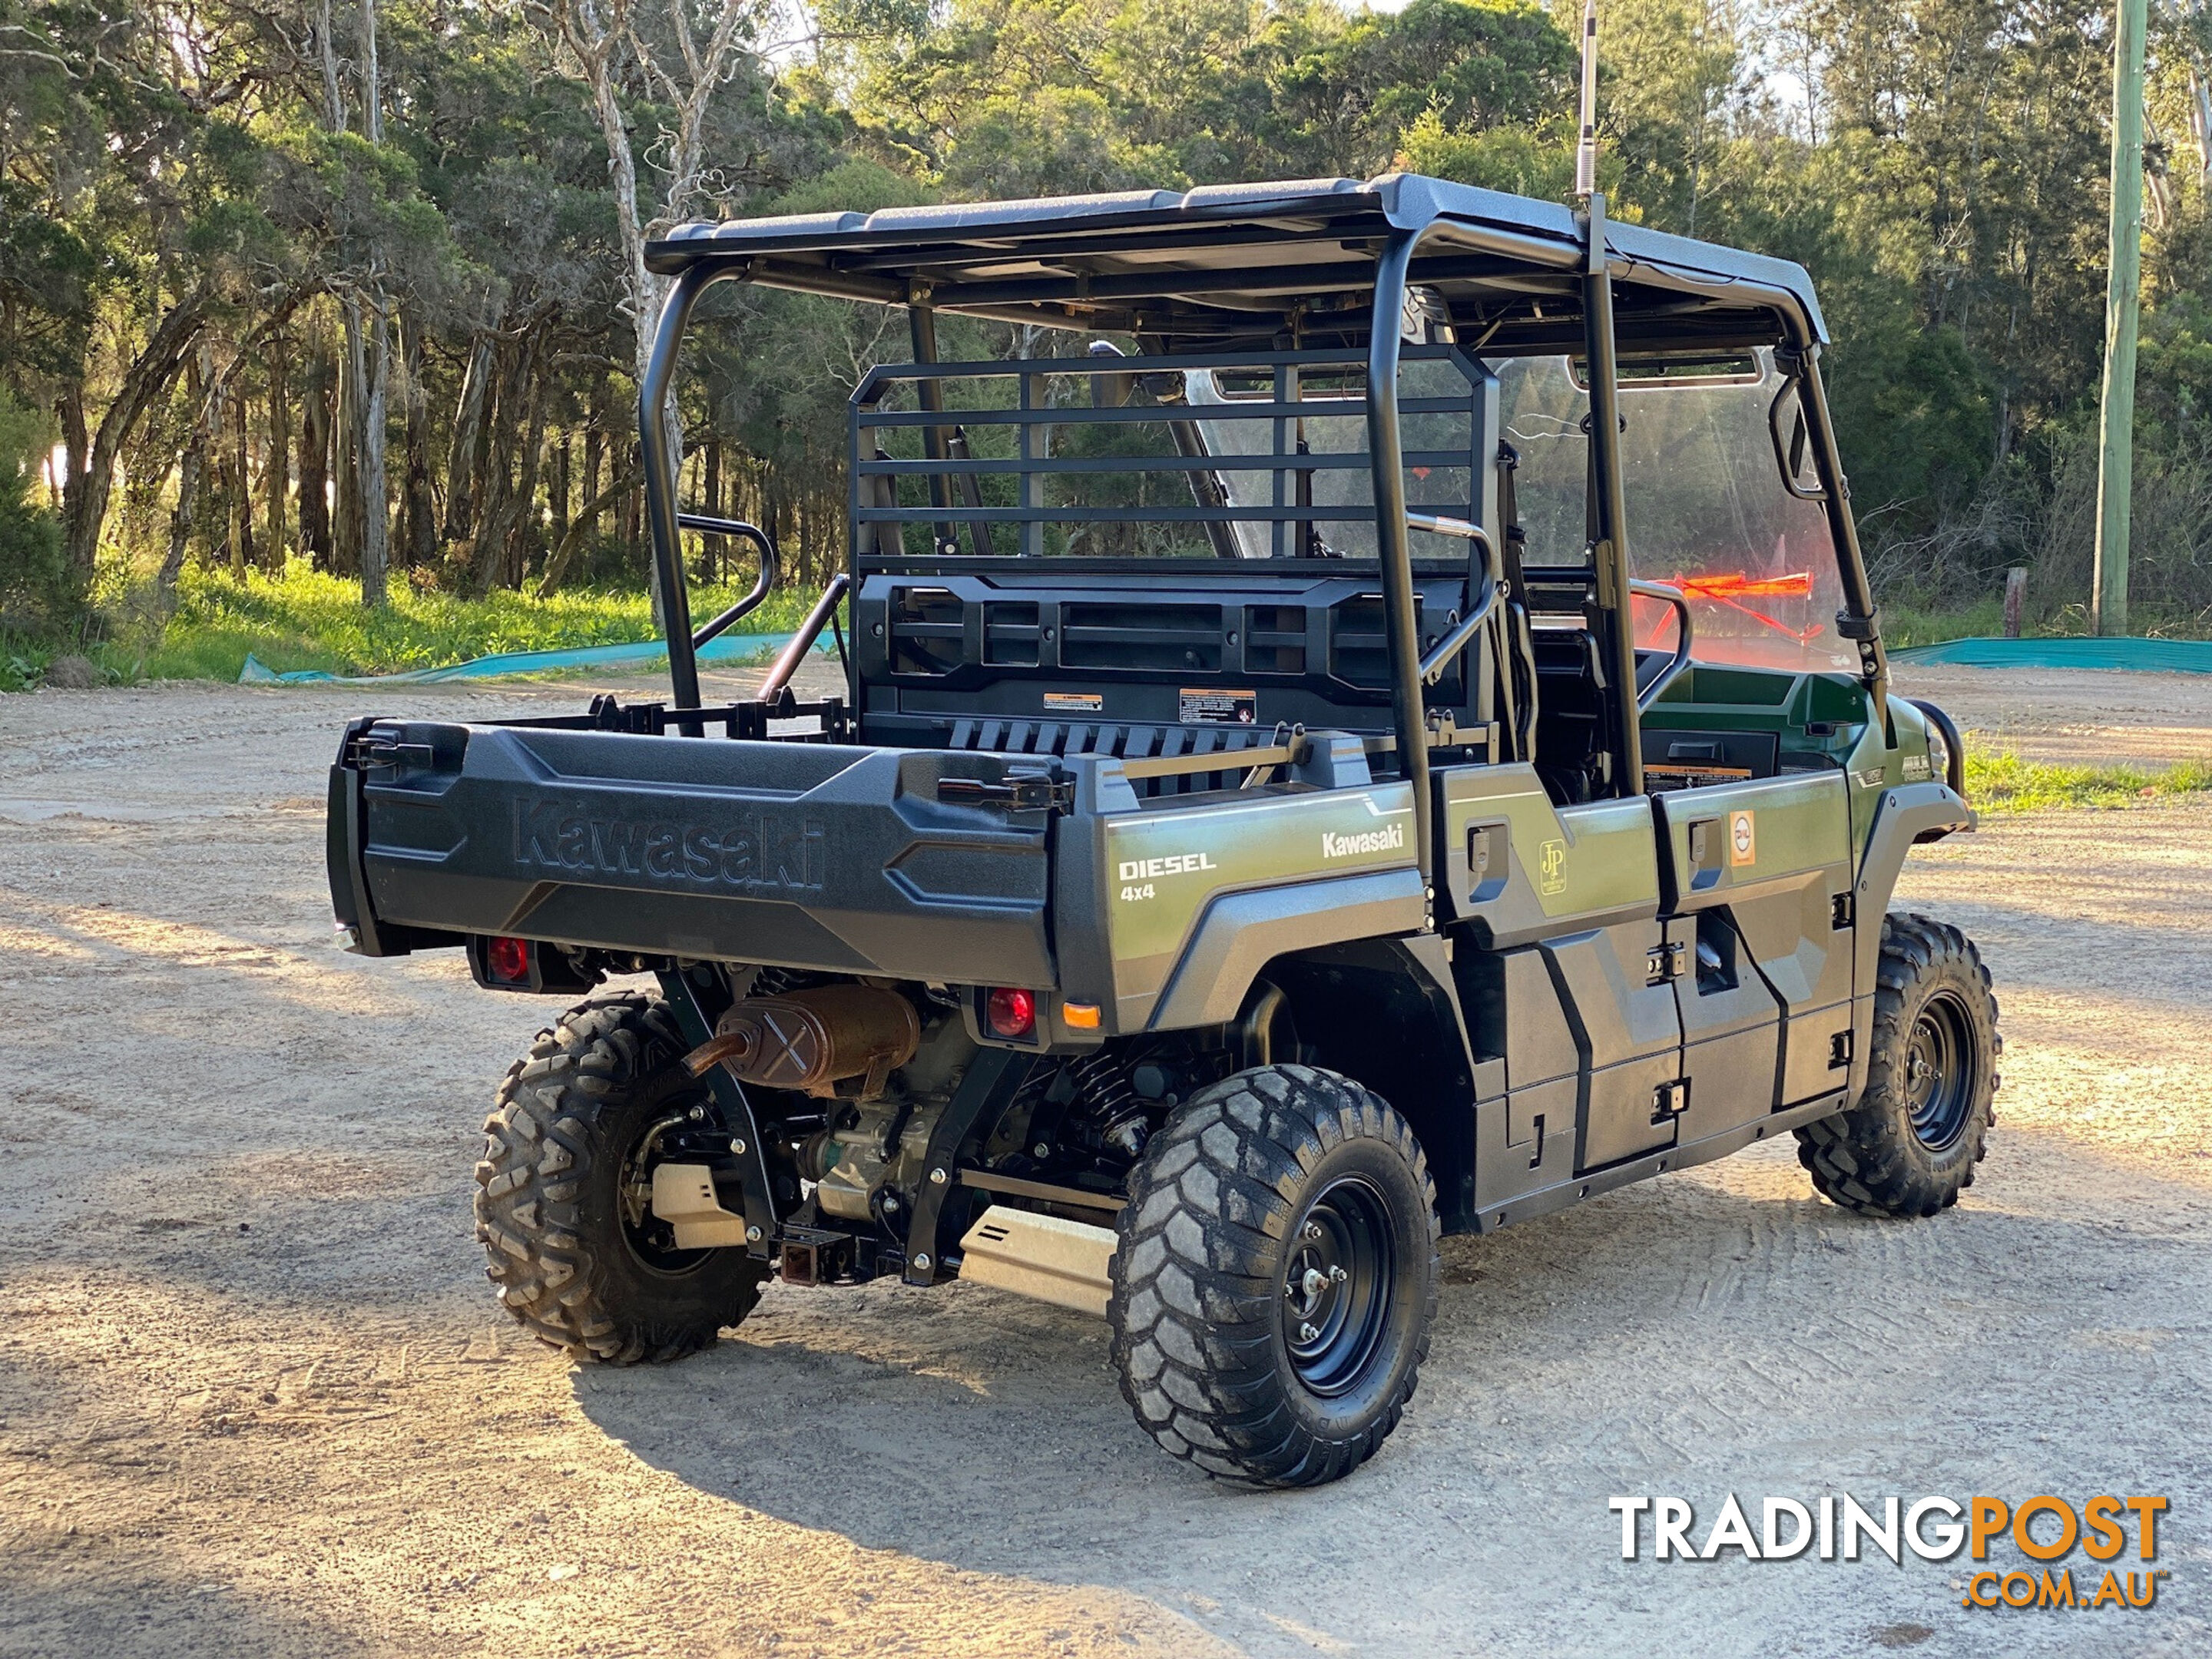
[{"x": 1708, "y": 513}]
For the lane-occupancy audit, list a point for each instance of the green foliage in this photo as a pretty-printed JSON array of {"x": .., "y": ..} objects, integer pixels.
[
  {"x": 1938, "y": 165},
  {"x": 305, "y": 619},
  {"x": 1999, "y": 780},
  {"x": 1510, "y": 159},
  {"x": 37, "y": 591}
]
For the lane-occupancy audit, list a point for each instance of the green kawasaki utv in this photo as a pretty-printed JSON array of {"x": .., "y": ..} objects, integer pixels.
[{"x": 1363, "y": 719}]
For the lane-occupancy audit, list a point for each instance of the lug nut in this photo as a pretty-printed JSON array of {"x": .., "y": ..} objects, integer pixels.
[{"x": 1307, "y": 1332}]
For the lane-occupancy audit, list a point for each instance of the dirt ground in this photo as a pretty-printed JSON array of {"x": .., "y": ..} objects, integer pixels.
[{"x": 256, "y": 1398}]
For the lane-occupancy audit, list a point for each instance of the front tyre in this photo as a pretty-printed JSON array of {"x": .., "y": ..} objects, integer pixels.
[
  {"x": 1910, "y": 1142},
  {"x": 563, "y": 1199},
  {"x": 1275, "y": 1277}
]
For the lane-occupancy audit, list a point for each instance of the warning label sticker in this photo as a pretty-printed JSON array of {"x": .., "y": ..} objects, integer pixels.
[
  {"x": 1206, "y": 707},
  {"x": 1073, "y": 702}
]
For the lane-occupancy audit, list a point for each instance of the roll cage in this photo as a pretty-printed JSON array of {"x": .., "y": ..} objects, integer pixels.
[{"x": 1274, "y": 279}]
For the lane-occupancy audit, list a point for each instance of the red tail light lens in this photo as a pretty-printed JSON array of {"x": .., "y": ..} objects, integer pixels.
[
  {"x": 1010, "y": 1013},
  {"x": 508, "y": 960}
]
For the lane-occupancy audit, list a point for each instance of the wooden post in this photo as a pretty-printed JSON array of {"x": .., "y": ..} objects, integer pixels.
[
  {"x": 2015, "y": 590},
  {"x": 2108, "y": 601}
]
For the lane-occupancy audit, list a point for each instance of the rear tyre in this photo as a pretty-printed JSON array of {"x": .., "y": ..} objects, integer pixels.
[
  {"x": 1275, "y": 1277},
  {"x": 1910, "y": 1142},
  {"x": 563, "y": 1199}
]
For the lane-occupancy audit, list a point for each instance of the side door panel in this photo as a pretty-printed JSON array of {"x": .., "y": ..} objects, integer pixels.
[
  {"x": 1774, "y": 855},
  {"x": 1731, "y": 1027},
  {"x": 1630, "y": 1034}
]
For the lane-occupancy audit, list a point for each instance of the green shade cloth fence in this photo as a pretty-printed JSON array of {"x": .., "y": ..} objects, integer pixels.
[
  {"x": 2142, "y": 656},
  {"x": 729, "y": 648}
]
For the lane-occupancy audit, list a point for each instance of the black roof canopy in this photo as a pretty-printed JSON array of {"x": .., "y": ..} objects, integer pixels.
[{"x": 1239, "y": 262}]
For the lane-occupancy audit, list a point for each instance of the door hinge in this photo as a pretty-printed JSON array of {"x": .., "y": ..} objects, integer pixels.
[
  {"x": 1842, "y": 913},
  {"x": 1839, "y": 1051},
  {"x": 1664, "y": 962}
]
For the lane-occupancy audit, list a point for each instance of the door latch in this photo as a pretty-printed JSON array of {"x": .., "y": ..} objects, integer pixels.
[
  {"x": 1670, "y": 1100},
  {"x": 1664, "y": 962},
  {"x": 1022, "y": 791}
]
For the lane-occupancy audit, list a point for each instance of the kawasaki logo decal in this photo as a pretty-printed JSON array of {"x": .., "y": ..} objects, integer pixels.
[{"x": 1388, "y": 839}]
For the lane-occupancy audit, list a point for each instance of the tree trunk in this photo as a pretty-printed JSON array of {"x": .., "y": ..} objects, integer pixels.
[
  {"x": 465, "y": 460},
  {"x": 278, "y": 472},
  {"x": 557, "y": 493},
  {"x": 315, "y": 459},
  {"x": 181, "y": 523},
  {"x": 333, "y": 102},
  {"x": 556, "y": 564},
  {"x": 376, "y": 507},
  {"x": 506, "y": 498},
  {"x": 241, "y": 487},
  {"x": 595, "y": 454},
  {"x": 148, "y": 380},
  {"x": 346, "y": 443},
  {"x": 372, "y": 102},
  {"x": 717, "y": 551},
  {"x": 523, "y": 520},
  {"x": 418, "y": 542},
  {"x": 76, "y": 441}
]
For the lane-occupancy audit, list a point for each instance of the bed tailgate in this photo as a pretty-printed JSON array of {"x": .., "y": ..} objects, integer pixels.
[{"x": 806, "y": 855}]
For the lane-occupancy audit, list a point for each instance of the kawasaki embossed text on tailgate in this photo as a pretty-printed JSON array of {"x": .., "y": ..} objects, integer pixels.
[{"x": 820, "y": 856}]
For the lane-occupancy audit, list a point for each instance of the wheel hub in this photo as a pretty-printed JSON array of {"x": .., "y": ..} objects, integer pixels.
[
  {"x": 1337, "y": 1285},
  {"x": 1940, "y": 1080}
]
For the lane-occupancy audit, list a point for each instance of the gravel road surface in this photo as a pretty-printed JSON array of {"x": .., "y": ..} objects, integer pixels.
[{"x": 256, "y": 1397}]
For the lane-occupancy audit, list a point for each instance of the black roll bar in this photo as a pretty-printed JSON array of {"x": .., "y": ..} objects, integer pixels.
[
  {"x": 1401, "y": 619},
  {"x": 1857, "y": 620},
  {"x": 1479, "y": 608},
  {"x": 661, "y": 516},
  {"x": 769, "y": 566},
  {"x": 1608, "y": 496}
]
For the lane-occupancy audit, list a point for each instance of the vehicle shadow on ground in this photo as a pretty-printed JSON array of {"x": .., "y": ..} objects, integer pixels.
[{"x": 967, "y": 1427}]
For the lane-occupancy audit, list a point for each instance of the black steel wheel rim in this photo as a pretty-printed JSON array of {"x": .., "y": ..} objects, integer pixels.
[
  {"x": 1939, "y": 1072},
  {"x": 1338, "y": 1285}
]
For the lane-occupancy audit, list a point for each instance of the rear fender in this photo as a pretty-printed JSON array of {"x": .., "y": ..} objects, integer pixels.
[{"x": 1383, "y": 1012}]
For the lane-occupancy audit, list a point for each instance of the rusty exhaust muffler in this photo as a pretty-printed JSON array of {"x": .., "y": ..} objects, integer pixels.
[{"x": 813, "y": 1040}]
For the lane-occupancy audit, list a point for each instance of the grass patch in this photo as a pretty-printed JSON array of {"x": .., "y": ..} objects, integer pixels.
[
  {"x": 1998, "y": 780},
  {"x": 306, "y": 619}
]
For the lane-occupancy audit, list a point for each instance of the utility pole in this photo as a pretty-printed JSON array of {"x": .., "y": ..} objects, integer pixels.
[{"x": 2108, "y": 600}]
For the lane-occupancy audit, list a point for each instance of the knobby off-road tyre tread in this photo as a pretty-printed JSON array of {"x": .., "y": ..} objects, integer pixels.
[
  {"x": 1867, "y": 1159},
  {"x": 554, "y": 1146},
  {"x": 1196, "y": 1278}
]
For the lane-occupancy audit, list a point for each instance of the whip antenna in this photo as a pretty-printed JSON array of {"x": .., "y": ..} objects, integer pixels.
[{"x": 1586, "y": 146}]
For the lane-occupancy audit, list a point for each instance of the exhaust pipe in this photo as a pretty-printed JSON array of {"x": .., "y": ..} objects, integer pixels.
[{"x": 1062, "y": 1262}]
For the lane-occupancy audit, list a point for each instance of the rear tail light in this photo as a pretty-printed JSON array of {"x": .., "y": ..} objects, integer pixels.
[
  {"x": 1010, "y": 1013},
  {"x": 508, "y": 960}
]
